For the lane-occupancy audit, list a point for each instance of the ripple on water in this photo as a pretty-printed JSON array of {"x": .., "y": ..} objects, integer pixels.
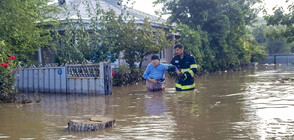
[
  {"x": 147, "y": 127},
  {"x": 4, "y": 137},
  {"x": 272, "y": 99}
]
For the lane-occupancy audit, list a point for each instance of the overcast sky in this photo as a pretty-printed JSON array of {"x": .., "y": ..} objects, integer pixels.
[{"x": 147, "y": 6}]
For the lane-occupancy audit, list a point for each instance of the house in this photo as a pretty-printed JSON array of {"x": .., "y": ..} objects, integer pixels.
[{"x": 83, "y": 5}]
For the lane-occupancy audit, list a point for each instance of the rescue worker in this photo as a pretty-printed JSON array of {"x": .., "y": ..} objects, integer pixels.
[{"x": 187, "y": 66}]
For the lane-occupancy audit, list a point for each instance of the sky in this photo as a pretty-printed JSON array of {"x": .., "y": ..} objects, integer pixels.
[
  {"x": 147, "y": 6},
  {"x": 270, "y": 4}
]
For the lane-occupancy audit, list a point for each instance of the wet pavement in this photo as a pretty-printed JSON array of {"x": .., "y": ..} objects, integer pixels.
[{"x": 247, "y": 104}]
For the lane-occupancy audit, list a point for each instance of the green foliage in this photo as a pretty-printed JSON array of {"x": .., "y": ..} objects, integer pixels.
[
  {"x": 133, "y": 40},
  {"x": 125, "y": 77},
  {"x": 278, "y": 46},
  {"x": 223, "y": 28},
  {"x": 191, "y": 40},
  {"x": 76, "y": 43},
  {"x": 23, "y": 26},
  {"x": 139, "y": 41},
  {"x": 259, "y": 35},
  {"x": 193, "y": 43},
  {"x": 269, "y": 37},
  {"x": 285, "y": 19},
  {"x": 257, "y": 52},
  {"x": 116, "y": 34},
  {"x": 111, "y": 32}
]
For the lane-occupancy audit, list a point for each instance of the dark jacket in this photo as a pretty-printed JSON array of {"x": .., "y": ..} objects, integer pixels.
[{"x": 187, "y": 66}]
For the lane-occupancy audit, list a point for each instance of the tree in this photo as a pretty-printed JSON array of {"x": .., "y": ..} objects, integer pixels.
[
  {"x": 192, "y": 42},
  {"x": 284, "y": 19},
  {"x": 269, "y": 37},
  {"x": 277, "y": 46},
  {"x": 23, "y": 26},
  {"x": 146, "y": 40},
  {"x": 224, "y": 21},
  {"x": 133, "y": 40},
  {"x": 110, "y": 34},
  {"x": 80, "y": 41},
  {"x": 259, "y": 35}
]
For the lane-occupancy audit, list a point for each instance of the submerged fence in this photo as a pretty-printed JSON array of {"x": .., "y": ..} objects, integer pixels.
[
  {"x": 280, "y": 59},
  {"x": 71, "y": 78}
]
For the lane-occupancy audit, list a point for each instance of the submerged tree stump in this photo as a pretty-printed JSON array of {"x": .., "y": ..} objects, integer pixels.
[{"x": 93, "y": 124}]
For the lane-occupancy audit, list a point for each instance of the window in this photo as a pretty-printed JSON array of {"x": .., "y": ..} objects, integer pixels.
[{"x": 162, "y": 54}]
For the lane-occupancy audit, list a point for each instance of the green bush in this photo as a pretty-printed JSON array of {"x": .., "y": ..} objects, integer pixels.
[
  {"x": 257, "y": 52},
  {"x": 125, "y": 76}
]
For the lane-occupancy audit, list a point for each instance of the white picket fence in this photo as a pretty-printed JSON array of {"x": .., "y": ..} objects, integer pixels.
[{"x": 71, "y": 78}]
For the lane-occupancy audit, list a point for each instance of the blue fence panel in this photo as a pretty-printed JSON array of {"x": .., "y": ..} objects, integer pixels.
[
  {"x": 77, "y": 78},
  {"x": 279, "y": 59}
]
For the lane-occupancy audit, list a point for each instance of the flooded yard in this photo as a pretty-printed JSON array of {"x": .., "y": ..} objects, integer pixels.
[{"x": 247, "y": 104}]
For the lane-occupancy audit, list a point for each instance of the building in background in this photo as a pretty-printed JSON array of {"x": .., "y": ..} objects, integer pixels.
[{"x": 79, "y": 5}]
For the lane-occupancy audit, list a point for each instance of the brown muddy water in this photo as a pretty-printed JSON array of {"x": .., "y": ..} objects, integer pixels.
[{"x": 248, "y": 104}]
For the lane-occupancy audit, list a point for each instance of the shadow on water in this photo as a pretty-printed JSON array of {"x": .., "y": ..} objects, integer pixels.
[{"x": 248, "y": 104}]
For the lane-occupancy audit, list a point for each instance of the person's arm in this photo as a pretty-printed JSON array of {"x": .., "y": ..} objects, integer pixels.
[
  {"x": 171, "y": 68},
  {"x": 167, "y": 66},
  {"x": 147, "y": 72},
  {"x": 193, "y": 65},
  {"x": 192, "y": 70},
  {"x": 178, "y": 72},
  {"x": 147, "y": 75}
]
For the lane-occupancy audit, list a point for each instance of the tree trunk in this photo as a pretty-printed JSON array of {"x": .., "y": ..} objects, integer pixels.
[
  {"x": 132, "y": 65},
  {"x": 141, "y": 61},
  {"x": 140, "y": 65}
]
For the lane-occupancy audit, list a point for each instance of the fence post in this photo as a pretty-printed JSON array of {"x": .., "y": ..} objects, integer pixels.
[
  {"x": 107, "y": 78},
  {"x": 275, "y": 59}
]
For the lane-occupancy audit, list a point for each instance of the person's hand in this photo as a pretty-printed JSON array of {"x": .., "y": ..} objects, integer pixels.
[
  {"x": 182, "y": 76},
  {"x": 153, "y": 81},
  {"x": 171, "y": 69}
]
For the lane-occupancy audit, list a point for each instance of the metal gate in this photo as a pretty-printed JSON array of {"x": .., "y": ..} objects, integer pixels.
[{"x": 71, "y": 78}]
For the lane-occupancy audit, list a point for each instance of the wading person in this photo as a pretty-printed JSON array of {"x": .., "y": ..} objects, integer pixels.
[
  {"x": 154, "y": 74},
  {"x": 187, "y": 67}
]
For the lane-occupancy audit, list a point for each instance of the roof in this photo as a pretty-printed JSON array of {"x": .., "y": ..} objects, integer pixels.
[{"x": 83, "y": 5}]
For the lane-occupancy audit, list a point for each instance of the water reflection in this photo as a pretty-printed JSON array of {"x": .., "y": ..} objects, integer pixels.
[
  {"x": 248, "y": 104},
  {"x": 154, "y": 104}
]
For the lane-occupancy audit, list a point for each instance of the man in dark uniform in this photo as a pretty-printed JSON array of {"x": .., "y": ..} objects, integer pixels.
[{"x": 186, "y": 64}]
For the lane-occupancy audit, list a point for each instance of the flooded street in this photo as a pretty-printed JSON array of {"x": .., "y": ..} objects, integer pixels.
[{"x": 248, "y": 104}]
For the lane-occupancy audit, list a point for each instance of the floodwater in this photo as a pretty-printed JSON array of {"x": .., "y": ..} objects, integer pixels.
[{"x": 247, "y": 104}]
